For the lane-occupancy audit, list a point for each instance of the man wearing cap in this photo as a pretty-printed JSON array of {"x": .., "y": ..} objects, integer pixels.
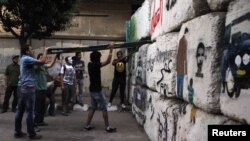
[{"x": 11, "y": 79}]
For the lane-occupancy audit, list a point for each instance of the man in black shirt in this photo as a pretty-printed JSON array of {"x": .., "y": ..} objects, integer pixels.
[
  {"x": 119, "y": 79},
  {"x": 80, "y": 69},
  {"x": 97, "y": 97}
]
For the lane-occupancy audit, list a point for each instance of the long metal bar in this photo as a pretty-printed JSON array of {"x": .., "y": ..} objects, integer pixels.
[{"x": 97, "y": 47}]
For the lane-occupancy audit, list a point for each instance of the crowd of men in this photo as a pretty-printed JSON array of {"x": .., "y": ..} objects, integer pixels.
[{"x": 27, "y": 82}]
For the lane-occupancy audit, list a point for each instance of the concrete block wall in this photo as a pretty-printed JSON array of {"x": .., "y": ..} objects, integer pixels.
[
  {"x": 197, "y": 71},
  {"x": 139, "y": 18}
]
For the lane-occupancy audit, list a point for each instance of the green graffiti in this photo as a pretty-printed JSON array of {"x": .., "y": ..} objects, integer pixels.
[{"x": 131, "y": 30}]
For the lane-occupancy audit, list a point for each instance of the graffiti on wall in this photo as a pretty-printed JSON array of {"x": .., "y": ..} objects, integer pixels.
[
  {"x": 151, "y": 107},
  {"x": 165, "y": 58},
  {"x": 157, "y": 12},
  {"x": 200, "y": 57},
  {"x": 170, "y": 4},
  {"x": 190, "y": 91},
  {"x": 181, "y": 64},
  {"x": 164, "y": 88},
  {"x": 193, "y": 114},
  {"x": 162, "y": 127},
  {"x": 139, "y": 71},
  {"x": 140, "y": 97},
  {"x": 235, "y": 68},
  {"x": 140, "y": 116}
]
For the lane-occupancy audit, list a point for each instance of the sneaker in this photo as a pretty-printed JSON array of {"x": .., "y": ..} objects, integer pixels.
[
  {"x": 81, "y": 104},
  {"x": 109, "y": 104},
  {"x": 36, "y": 137},
  {"x": 89, "y": 127},
  {"x": 110, "y": 129},
  {"x": 123, "y": 106},
  {"x": 20, "y": 135}
]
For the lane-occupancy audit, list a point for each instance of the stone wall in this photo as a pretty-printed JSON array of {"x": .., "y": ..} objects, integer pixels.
[{"x": 196, "y": 73}]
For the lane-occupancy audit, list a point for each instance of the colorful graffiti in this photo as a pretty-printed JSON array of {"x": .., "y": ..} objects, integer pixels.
[
  {"x": 181, "y": 64},
  {"x": 193, "y": 114},
  {"x": 157, "y": 15},
  {"x": 236, "y": 58},
  {"x": 190, "y": 91}
]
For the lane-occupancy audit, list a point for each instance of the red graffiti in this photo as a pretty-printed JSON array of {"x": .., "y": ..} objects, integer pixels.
[{"x": 157, "y": 16}]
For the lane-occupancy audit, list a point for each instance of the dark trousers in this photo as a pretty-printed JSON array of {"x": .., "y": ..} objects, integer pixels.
[
  {"x": 26, "y": 101},
  {"x": 118, "y": 82},
  {"x": 40, "y": 106},
  {"x": 67, "y": 96},
  {"x": 51, "y": 97},
  {"x": 8, "y": 92}
]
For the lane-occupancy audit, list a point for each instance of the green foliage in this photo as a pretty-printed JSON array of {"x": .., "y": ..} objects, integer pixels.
[{"x": 35, "y": 18}]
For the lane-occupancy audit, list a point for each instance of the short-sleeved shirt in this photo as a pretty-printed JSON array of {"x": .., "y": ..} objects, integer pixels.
[
  {"x": 79, "y": 64},
  {"x": 27, "y": 71},
  {"x": 68, "y": 73},
  {"x": 94, "y": 70},
  {"x": 12, "y": 71},
  {"x": 41, "y": 77},
  {"x": 120, "y": 69}
]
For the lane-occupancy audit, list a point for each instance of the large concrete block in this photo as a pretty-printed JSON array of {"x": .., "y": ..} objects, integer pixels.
[
  {"x": 168, "y": 15},
  {"x": 192, "y": 124},
  {"x": 132, "y": 68},
  {"x": 138, "y": 26},
  {"x": 161, "y": 121},
  {"x": 140, "y": 66},
  {"x": 235, "y": 63},
  {"x": 218, "y": 5},
  {"x": 161, "y": 65},
  {"x": 139, "y": 104},
  {"x": 131, "y": 93},
  {"x": 198, "y": 74}
]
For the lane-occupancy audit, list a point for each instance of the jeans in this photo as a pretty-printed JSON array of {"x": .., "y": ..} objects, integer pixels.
[
  {"x": 79, "y": 97},
  {"x": 98, "y": 101},
  {"x": 180, "y": 81},
  {"x": 26, "y": 102}
]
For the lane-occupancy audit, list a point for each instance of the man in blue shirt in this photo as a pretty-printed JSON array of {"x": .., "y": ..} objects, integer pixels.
[{"x": 26, "y": 99}]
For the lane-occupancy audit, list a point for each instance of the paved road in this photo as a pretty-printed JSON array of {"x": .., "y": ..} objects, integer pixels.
[{"x": 70, "y": 128}]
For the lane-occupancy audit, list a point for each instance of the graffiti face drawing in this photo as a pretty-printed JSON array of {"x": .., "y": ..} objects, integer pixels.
[{"x": 200, "y": 57}]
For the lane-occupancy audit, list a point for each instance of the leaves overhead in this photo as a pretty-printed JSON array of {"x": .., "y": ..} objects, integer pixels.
[{"x": 36, "y": 18}]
